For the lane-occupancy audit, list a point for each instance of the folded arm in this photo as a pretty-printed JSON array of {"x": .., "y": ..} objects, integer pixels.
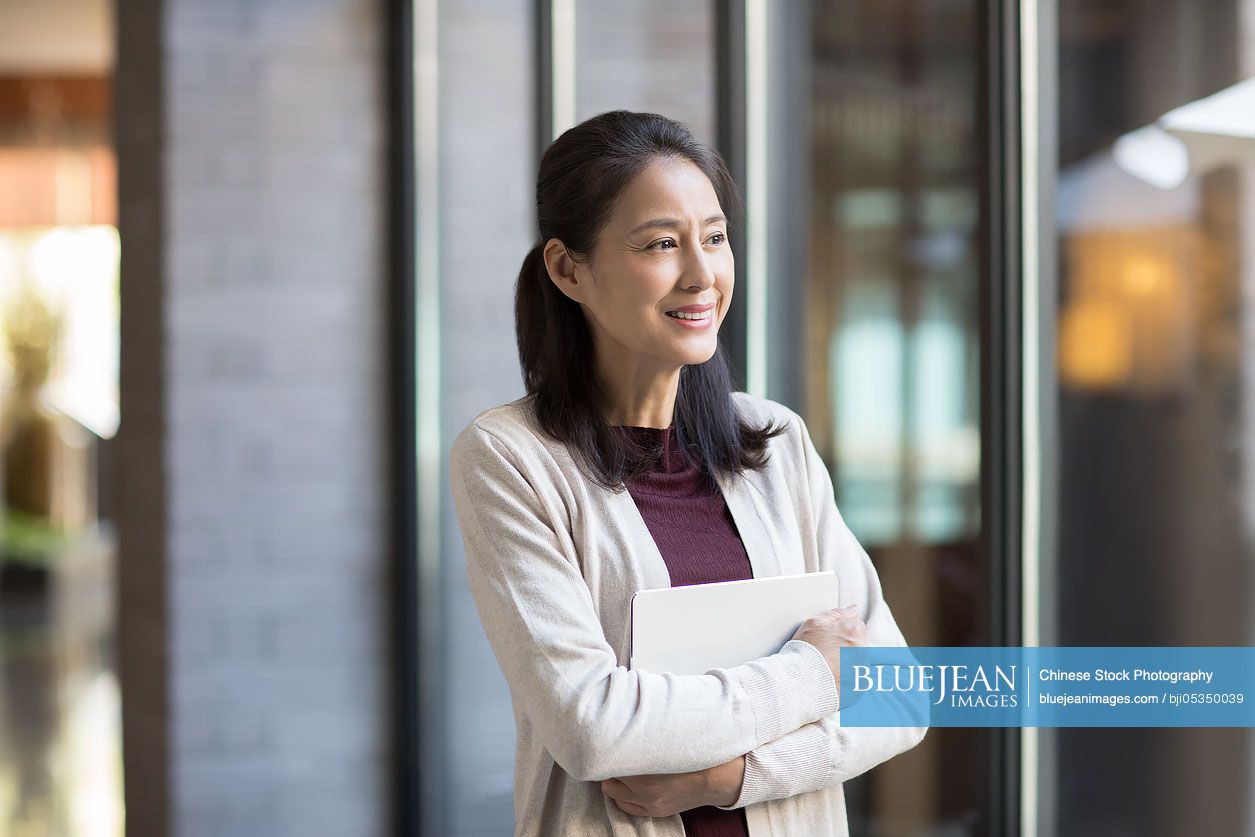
[{"x": 596, "y": 718}]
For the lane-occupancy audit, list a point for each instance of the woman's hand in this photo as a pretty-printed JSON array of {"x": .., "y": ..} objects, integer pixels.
[
  {"x": 830, "y": 630},
  {"x": 664, "y": 794}
]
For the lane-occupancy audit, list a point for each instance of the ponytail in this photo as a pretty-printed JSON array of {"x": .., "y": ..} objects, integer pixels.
[{"x": 529, "y": 313}]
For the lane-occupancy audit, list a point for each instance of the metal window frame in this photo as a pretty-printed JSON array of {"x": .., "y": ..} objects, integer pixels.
[
  {"x": 1039, "y": 109},
  {"x": 1001, "y": 373},
  {"x": 555, "y": 76},
  {"x": 1018, "y": 414},
  {"x": 730, "y": 140},
  {"x": 415, "y": 614},
  {"x": 403, "y": 616}
]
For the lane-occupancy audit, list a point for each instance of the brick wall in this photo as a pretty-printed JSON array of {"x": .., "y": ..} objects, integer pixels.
[{"x": 252, "y": 517}]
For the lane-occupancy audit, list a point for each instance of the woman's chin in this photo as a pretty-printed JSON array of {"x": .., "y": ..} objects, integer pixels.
[{"x": 696, "y": 355}]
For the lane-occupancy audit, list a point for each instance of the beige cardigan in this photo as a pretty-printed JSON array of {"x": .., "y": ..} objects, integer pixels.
[{"x": 553, "y": 560}]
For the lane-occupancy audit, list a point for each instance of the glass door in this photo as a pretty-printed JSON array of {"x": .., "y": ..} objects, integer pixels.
[{"x": 880, "y": 296}]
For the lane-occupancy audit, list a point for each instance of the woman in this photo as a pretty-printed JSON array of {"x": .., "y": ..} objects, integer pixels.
[{"x": 631, "y": 464}]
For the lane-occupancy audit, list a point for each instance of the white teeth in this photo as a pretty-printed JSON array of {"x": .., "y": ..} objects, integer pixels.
[{"x": 680, "y": 315}]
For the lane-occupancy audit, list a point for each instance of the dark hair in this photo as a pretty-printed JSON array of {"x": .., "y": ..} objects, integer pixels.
[{"x": 583, "y": 173}]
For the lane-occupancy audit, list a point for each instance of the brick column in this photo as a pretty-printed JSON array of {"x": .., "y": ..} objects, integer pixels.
[{"x": 253, "y": 493}]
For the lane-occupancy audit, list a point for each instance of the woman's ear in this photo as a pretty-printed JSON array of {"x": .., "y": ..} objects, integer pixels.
[{"x": 561, "y": 269}]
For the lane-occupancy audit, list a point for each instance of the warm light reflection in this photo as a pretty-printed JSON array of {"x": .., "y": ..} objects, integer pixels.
[
  {"x": 1126, "y": 322},
  {"x": 1094, "y": 345}
]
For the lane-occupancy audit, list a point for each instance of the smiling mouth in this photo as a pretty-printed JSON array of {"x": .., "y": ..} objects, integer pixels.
[{"x": 680, "y": 315}]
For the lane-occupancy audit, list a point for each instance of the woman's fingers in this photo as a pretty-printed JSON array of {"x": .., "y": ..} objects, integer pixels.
[
  {"x": 624, "y": 796},
  {"x": 615, "y": 788},
  {"x": 852, "y": 628},
  {"x": 632, "y": 808}
]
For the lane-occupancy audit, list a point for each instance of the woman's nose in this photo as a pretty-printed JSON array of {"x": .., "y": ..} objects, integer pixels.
[{"x": 699, "y": 272}]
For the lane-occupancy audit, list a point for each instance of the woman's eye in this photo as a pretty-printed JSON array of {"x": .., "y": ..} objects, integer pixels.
[{"x": 717, "y": 238}]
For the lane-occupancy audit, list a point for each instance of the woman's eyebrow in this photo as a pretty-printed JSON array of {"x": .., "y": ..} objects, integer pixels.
[{"x": 670, "y": 223}]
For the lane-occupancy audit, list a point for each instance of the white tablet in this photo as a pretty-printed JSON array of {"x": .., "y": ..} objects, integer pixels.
[{"x": 697, "y": 627}]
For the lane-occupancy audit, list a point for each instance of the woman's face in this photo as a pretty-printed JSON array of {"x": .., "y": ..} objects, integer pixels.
[{"x": 665, "y": 249}]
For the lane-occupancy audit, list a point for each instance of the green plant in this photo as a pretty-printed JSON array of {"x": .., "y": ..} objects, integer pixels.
[{"x": 28, "y": 539}]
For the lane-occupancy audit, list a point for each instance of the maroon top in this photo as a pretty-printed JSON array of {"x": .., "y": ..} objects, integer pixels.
[{"x": 697, "y": 537}]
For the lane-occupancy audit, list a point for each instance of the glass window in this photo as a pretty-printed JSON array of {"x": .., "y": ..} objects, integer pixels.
[
  {"x": 655, "y": 56},
  {"x": 484, "y": 227},
  {"x": 892, "y": 336},
  {"x": 60, "y": 707},
  {"x": 624, "y": 59},
  {"x": 1156, "y": 391}
]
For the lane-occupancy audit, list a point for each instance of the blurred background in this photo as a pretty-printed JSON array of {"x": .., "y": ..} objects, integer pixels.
[{"x": 256, "y": 272}]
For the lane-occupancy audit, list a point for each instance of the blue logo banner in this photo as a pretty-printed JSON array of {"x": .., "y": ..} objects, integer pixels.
[{"x": 1047, "y": 687}]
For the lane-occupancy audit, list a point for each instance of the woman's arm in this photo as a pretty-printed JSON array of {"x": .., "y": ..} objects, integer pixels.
[
  {"x": 596, "y": 718},
  {"x": 824, "y": 753}
]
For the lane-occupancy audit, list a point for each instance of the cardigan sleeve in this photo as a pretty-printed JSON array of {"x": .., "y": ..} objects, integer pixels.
[
  {"x": 598, "y": 719},
  {"x": 824, "y": 753}
]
